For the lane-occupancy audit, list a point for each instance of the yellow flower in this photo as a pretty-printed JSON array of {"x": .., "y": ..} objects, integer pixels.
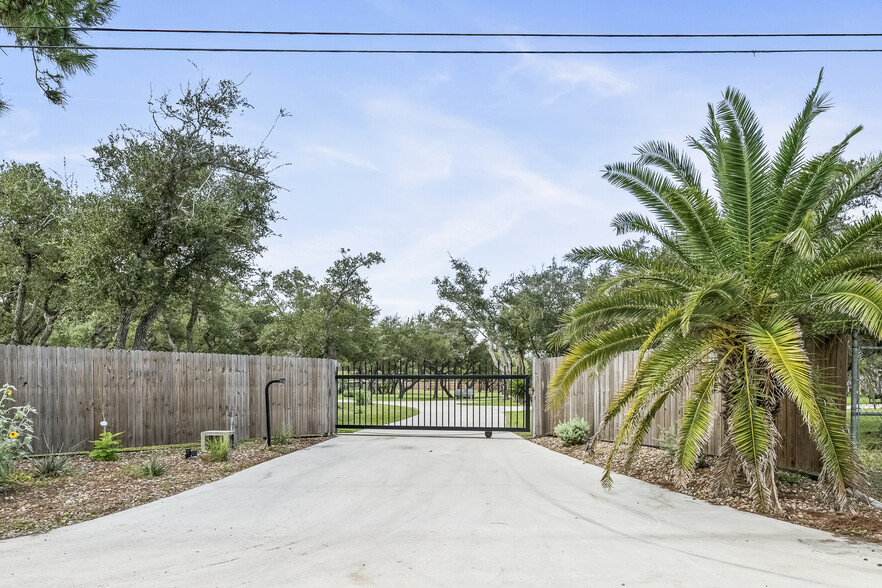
[
  {"x": 13, "y": 435},
  {"x": 9, "y": 392}
]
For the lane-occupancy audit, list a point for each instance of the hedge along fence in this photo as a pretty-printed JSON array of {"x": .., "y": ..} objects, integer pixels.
[
  {"x": 160, "y": 398},
  {"x": 590, "y": 396}
]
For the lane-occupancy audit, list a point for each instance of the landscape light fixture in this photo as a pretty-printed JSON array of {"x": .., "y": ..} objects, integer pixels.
[{"x": 269, "y": 441}]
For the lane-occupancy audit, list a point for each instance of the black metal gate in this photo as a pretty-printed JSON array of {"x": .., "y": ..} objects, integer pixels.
[{"x": 446, "y": 399}]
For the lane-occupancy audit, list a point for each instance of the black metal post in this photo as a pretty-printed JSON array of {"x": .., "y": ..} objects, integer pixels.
[
  {"x": 855, "y": 386},
  {"x": 269, "y": 440}
]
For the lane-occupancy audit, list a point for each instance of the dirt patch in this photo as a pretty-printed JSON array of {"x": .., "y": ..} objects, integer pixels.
[
  {"x": 87, "y": 490},
  {"x": 800, "y": 496}
]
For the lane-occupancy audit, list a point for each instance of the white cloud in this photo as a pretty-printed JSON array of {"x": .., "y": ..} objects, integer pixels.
[
  {"x": 336, "y": 155},
  {"x": 566, "y": 75}
]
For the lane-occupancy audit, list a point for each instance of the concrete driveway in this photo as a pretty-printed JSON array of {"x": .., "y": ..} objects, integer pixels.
[{"x": 432, "y": 510}]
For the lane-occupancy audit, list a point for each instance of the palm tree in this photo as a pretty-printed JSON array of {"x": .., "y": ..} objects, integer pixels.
[{"x": 741, "y": 275}]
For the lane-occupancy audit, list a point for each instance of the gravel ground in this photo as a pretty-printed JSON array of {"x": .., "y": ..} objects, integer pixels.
[
  {"x": 86, "y": 489},
  {"x": 800, "y": 496}
]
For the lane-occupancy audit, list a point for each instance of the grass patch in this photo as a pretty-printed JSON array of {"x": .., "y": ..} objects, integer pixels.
[
  {"x": 497, "y": 401},
  {"x": 153, "y": 467},
  {"x": 353, "y": 415},
  {"x": 515, "y": 419}
]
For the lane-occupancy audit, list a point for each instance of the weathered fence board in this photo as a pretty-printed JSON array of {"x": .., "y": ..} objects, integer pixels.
[
  {"x": 160, "y": 398},
  {"x": 589, "y": 397}
]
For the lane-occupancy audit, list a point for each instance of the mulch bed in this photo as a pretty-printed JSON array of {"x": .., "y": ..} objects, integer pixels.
[
  {"x": 86, "y": 489},
  {"x": 800, "y": 496}
]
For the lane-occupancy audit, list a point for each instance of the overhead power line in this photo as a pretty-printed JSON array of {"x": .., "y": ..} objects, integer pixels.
[
  {"x": 447, "y": 51},
  {"x": 443, "y": 34}
]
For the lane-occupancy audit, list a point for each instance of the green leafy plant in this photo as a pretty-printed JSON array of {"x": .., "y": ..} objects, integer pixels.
[
  {"x": 153, "y": 467},
  {"x": 283, "y": 435},
  {"x": 667, "y": 440},
  {"x": 218, "y": 448},
  {"x": 51, "y": 465},
  {"x": 362, "y": 397},
  {"x": 16, "y": 433},
  {"x": 105, "y": 447},
  {"x": 746, "y": 268},
  {"x": 790, "y": 477},
  {"x": 573, "y": 432}
]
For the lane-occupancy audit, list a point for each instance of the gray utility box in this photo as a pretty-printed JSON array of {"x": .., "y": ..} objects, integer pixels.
[
  {"x": 464, "y": 393},
  {"x": 230, "y": 436}
]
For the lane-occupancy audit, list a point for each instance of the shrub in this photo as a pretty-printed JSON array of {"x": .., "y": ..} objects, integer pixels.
[
  {"x": 573, "y": 432},
  {"x": 16, "y": 432},
  {"x": 667, "y": 441},
  {"x": 362, "y": 397},
  {"x": 105, "y": 447},
  {"x": 153, "y": 467},
  {"x": 51, "y": 465},
  {"x": 218, "y": 448},
  {"x": 283, "y": 435}
]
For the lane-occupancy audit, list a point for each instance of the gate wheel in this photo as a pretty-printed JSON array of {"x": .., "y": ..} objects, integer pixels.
[{"x": 488, "y": 434}]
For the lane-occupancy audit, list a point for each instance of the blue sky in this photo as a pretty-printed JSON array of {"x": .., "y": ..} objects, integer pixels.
[{"x": 493, "y": 158}]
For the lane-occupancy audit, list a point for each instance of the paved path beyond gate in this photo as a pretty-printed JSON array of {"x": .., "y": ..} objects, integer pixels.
[{"x": 431, "y": 509}]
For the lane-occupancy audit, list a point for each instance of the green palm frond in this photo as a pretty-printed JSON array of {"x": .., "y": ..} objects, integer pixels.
[
  {"x": 859, "y": 298},
  {"x": 842, "y": 467},
  {"x": 592, "y": 354},
  {"x": 788, "y": 159},
  {"x": 698, "y": 414},
  {"x": 632, "y": 222},
  {"x": 811, "y": 186},
  {"x": 667, "y": 157},
  {"x": 742, "y": 187},
  {"x": 751, "y": 429},
  {"x": 622, "y": 305},
  {"x": 848, "y": 189},
  {"x": 628, "y": 258},
  {"x": 779, "y": 342},
  {"x": 862, "y": 263},
  {"x": 651, "y": 188},
  {"x": 853, "y": 237}
]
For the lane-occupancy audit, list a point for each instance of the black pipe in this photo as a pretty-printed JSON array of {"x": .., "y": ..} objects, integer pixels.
[{"x": 269, "y": 441}]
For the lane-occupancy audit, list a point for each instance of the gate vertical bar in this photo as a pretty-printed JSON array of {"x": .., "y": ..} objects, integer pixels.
[{"x": 855, "y": 386}]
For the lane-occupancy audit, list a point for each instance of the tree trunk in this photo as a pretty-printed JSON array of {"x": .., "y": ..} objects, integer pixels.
[
  {"x": 191, "y": 324},
  {"x": 122, "y": 326},
  {"x": 98, "y": 338},
  {"x": 21, "y": 293},
  {"x": 140, "y": 342},
  {"x": 171, "y": 341},
  {"x": 49, "y": 320}
]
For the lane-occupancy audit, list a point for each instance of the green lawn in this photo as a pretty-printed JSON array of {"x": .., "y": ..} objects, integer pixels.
[
  {"x": 372, "y": 414},
  {"x": 514, "y": 419},
  {"x": 493, "y": 401},
  {"x": 870, "y": 447}
]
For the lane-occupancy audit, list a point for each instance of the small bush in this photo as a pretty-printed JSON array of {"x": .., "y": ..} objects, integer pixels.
[
  {"x": 153, "y": 467},
  {"x": 573, "y": 432},
  {"x": 283, "y": 435},
  {"x": 51, "y": 465},
  {"x": 668, "y": 441},
  {"x": 218, "y": 448},
  {"x": 362, "y": 397},
  {"x": 16, "y": 433},
  {"x": 105, "y": 447},
  {"x": 790, "y": 477}
]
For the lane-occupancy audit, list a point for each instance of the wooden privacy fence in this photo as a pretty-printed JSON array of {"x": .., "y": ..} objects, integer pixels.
[
  {"x": 590, "y": 396},
  {"x": 160, "y": 398}
]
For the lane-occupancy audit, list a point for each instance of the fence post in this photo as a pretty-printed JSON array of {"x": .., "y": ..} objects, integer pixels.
[{"x": 855, "y": 386}]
